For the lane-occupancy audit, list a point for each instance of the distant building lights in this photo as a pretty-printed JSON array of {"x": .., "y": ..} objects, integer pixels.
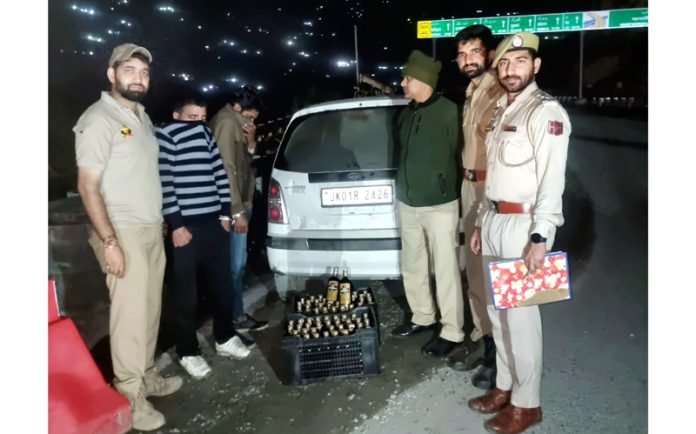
[
  {"x": 83, "y": 10},
  {"x": 94, "y": 38}
]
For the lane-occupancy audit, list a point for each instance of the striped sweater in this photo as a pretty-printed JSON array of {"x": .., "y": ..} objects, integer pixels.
[{"x": 194, "y": 183}]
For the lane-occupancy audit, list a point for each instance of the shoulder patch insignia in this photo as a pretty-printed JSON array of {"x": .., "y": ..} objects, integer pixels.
[
  {"x": 555, "y": 128},
  {"x": 546, "y": 97}
]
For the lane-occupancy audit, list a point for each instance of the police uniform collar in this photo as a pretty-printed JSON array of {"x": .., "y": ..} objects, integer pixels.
[
  {"x": 415, "y": 105},
  {"x": 110, "y": 100},
  {"x": 502, "y": 102},
  {"x": 488, "y": 80}
]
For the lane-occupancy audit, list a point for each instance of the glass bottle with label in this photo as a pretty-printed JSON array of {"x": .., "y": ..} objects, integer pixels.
[
  {"x": 345, "y": 287},
  {"x": 332, "y": 287}
]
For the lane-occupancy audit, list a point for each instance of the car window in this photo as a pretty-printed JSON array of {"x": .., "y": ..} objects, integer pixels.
[{"x": 343, "y": 140}]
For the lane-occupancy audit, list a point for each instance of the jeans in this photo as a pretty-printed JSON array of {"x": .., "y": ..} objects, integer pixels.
[{"x": 238, "y": 260}]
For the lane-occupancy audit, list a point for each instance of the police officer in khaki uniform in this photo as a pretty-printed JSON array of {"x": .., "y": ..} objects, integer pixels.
[
  {"x": 522, "y": 207},
  {"x": 119, "y": 183},
  {"x": 475, "y": 53}
]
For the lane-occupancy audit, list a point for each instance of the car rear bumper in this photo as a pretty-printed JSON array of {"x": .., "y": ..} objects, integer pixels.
[{"x": 361, "y": 264}]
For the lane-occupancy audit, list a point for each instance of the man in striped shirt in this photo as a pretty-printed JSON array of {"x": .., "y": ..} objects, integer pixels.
[{"x": 196, "y": 199}]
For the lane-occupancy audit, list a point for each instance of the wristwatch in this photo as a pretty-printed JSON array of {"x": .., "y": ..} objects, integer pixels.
[{"x": 537, "y": 238}]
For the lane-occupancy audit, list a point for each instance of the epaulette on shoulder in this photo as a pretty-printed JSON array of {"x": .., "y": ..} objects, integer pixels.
[{"x": 543, "y": 96}]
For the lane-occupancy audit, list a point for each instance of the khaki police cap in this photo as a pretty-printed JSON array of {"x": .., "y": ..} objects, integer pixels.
[
  {"x": 514, "y": 42},
  {"x": 125, "y": 51}
]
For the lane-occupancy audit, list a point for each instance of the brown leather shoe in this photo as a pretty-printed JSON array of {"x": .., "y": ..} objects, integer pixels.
[
  {"x": 492, "y": 402},
  {"x": 513, "y": 420}
]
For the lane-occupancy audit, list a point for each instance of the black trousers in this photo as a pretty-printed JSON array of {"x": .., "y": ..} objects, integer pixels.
[{"x": 208, "y": 252}]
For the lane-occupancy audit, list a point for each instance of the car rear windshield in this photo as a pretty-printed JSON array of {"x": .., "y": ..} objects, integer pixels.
[{"x": 342, "y": 140}]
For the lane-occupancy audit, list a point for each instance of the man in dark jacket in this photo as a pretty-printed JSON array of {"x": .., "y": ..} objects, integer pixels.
[
  {"x": 235, "y": 132},
  {"x": 427, "y": 190}
]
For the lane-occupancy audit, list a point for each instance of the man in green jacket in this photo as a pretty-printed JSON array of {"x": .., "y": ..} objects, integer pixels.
[{"x": 427, "y": 190}]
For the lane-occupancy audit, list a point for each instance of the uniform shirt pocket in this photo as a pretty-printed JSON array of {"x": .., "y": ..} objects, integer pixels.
[{"x": 516, "y": 151}]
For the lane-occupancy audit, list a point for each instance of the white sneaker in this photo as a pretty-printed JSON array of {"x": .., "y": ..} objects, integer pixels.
[
  {"x": 157, "y": 385},
  {"x": 233, "y": 347},
  {"x": 145, "y": 417},
  {"x": 196, "y": 366}
]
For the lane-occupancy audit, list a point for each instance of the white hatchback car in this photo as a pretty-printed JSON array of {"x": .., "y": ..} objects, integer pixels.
[{"x": 331, "y": 198}]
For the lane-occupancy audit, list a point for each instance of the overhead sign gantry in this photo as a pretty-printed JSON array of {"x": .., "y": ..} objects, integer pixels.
[{"x": 560, "y": 22}]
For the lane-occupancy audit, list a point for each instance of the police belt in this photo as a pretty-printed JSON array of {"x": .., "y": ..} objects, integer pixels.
[
  {"x": 509, "y": 207},
  {"x": 474, "y": 175}
]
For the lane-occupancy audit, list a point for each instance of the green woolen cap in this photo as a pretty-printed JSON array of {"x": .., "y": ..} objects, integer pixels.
[
  {"x": 423, "y": 68},
  {"x": 518, "y": 41}
]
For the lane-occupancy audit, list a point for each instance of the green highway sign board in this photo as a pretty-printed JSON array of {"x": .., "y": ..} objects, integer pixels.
[
  {"x": 524, "y": 23},
  {"x": 572, "y": 21},
  {"x": 442, "y": 28},
  {"x": 628, "y": 18},
  {"x": 497, "y": 25},
  {"x": 466, "y": 22},
  {"x": 562, "y": 22},
  {"x": 549, "y": 23}
]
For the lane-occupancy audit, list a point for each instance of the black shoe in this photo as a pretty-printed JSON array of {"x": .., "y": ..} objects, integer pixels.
[
  {"x": 489, "y": 343},
  {"x": 247, "y": 341},
  {"x": 468, "y": 357},
  {"x": 438, "y": 347},
  {"x": 250, "y": 324},
  {"x": 409, "y": 329},
  {"x": 485, "y": 378}
]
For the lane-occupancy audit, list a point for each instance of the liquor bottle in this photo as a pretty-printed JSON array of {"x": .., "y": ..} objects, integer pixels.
[
  {"x": 345, "y": 287},
  {"x": 332, "y": 287}
]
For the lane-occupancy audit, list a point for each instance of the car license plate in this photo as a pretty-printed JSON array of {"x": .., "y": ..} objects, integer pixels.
[{"x": 352, "y": 196}]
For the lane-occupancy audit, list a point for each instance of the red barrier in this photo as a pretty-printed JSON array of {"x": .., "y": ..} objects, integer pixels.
[
  {"x": 53, "y": 311},
  {"x": 79, "y": 400}
]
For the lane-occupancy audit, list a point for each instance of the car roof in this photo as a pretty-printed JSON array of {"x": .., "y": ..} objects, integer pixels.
[{"x": 352, "y": 103}]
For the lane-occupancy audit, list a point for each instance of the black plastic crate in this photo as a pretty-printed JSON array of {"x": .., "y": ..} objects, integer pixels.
[{"x": 351, "y": 356}]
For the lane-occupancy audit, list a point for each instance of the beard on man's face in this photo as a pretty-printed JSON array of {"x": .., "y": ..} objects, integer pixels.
[
  {"x": 516, "y": 83},
  {"x": 133, "y": 92},
  {"x": 472, "y": 70}
]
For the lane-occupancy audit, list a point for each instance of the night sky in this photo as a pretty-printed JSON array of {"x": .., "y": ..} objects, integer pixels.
[
  {"x": 292, "y": 52},
  {"x": 217, "y": 46}
]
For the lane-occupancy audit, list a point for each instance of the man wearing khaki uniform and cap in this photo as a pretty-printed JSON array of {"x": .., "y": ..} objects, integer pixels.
[
  {"x": 522, "y": 207},
  {"x": 118, "y": 180},
  {"x": 475, "y": 51}
]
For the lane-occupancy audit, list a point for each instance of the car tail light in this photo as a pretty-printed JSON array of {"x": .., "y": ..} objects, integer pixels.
[{"x": 275, "y": 203}]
